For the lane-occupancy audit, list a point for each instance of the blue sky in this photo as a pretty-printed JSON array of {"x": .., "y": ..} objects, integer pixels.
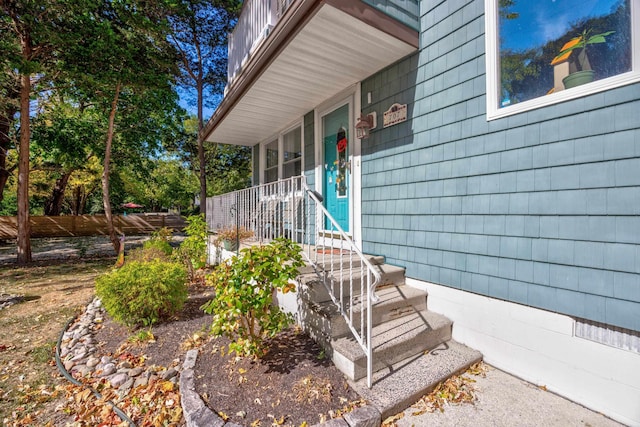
[{"x": 545, "y": 20}]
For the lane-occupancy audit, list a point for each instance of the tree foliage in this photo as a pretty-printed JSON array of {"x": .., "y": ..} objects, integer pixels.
[
  {"x": 94, "y": 86},
  {"x": 199, "y": 31}
]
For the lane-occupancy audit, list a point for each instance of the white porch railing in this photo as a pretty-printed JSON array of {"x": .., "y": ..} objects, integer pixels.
[
  {"x": 289, "y": 208},
  {"x": 256, "y": 20}
]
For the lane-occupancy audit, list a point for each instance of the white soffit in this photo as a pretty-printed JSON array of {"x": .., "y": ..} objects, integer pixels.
[{"x": 333, "y": 51}]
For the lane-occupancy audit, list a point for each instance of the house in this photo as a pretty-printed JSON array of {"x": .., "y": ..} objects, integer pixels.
[{"x": 509, "y": 195}]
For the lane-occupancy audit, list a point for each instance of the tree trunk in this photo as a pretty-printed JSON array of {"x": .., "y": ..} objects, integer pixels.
[
  {"x": 76, "y": 201},
  {"x": 201, "y": 159},
  {"x": 24, "y": 227},
  {"x": 105, "y": 173},
  {"x": 6, "y": 118},
  {"x": 53, "y": 206}
]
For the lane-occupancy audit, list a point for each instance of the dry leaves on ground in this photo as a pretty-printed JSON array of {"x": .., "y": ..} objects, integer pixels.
[
  {"x": 458, "y": 389},
  {"x": 156, "y": 404}
]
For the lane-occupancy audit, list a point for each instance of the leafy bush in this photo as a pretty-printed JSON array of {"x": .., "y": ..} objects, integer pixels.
[
  {"x": 151, "y": 250},
  {"x": 143, "y": 293},
  {"x": 243, "y": 306},
  {"x": 193, "y": 249},
  {"x": 164, "y": 234}
]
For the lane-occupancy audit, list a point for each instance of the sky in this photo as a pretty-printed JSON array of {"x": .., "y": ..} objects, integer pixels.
[
  {"x": 540, "y": 21},
  {"x": 188, "y": 102}
]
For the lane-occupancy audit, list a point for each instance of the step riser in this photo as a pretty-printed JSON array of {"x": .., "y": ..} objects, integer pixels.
[
  {"x": 312, "y": 290},
  {"x": 421, "y": 342},
  {"x": 394, "y": 302},
  {"x": 334, "y": 264},
  {"x": 339, "y": 324}
]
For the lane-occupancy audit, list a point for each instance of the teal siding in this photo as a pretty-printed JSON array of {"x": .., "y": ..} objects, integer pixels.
[
  {"x": 309, "y": 151},
  {"x": 405, "y": 11},
  {"x": 540, "y": 208},
  {"x": 309, "y": 166}
]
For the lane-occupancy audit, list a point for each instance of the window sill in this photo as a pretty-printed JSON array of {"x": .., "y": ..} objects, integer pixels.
[{"x": 562, "y": 96}]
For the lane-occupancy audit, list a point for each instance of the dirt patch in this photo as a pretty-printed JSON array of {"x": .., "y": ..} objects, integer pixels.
[{"x": 295, "y": 383}]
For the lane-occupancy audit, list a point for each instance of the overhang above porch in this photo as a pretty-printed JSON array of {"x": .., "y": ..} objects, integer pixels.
[{"x": 317, "y": 49}]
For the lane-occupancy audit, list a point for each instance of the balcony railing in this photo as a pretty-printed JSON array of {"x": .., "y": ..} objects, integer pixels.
[
  {"x": 289, "y": 208},
  {"x": 257, "y": 19}
]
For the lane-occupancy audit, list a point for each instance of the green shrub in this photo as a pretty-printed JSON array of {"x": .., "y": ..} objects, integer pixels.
[
  {"x": 243, "y": 305},
  {"x": 161, "y": 245},
  {"x": 151, "y": 250},
  {"x": 143, "y": 293},
  {"x": 164, "y": 234},
  {"x": 193, "y": 249}
]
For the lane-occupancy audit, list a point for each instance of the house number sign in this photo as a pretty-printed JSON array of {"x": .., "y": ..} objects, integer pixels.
[{"x": 397, "y": 113}]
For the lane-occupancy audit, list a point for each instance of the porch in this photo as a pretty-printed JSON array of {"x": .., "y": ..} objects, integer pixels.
[{"x": 376, "y": 329}]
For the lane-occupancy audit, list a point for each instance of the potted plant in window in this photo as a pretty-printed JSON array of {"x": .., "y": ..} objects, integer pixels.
[
  {"x": 229, "y": 238},
  {"x": 580, "y": 71}
]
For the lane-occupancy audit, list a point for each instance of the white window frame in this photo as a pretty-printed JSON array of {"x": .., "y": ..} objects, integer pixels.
[
  {"x": 280, "y": 138},
  {"x": 493, "y": 69}
]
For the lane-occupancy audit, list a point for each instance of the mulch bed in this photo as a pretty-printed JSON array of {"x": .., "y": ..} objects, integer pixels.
[{"x": 292, "y": 384}]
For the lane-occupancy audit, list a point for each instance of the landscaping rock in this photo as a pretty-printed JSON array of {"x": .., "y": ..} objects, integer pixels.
[{"x": 366, "y": 416}]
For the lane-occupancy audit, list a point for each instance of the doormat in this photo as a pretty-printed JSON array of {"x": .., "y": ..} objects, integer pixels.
[{"x": 334, "y": 251}]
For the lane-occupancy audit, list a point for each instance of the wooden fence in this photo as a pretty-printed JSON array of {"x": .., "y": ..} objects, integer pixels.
[{"x": 90, "y": 225}]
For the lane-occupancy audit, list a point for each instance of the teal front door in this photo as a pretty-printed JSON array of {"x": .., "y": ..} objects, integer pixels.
[{"x": 337, "y": 170}]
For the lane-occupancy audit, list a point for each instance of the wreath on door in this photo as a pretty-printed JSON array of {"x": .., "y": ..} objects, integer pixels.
[
  {"x": 341, "y": 142},
  {"x": 341, "y": 146}
]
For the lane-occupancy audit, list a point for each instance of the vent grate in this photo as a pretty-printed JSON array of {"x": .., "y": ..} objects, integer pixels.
[{"x": 613, "y": 336}]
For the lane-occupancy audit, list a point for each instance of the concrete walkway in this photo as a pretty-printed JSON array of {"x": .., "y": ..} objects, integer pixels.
[{"x": 504, "y": 400}]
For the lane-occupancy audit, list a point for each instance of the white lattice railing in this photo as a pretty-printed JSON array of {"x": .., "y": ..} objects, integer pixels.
[
  {"x": 289, "y": 208},
  {"x": 256, "y": 20}
]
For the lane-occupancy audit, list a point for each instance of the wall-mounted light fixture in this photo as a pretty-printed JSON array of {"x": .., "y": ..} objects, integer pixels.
[{"x": 365, "y": 124}]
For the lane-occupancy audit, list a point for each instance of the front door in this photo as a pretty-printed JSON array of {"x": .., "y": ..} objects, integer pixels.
[{"x": 337, "y": 170}]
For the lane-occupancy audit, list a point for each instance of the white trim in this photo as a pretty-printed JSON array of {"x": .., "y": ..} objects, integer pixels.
[
  {"x": 356, "y": 172},
  {"x": 493, "y": 69},
  {"x": 350, "y": 96},
  {"x": 539, "y": 346}
]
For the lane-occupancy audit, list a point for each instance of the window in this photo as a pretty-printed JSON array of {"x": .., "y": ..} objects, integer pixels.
[
  {"x": 540, "y": 53},
  {"x": 292, "y": 150},
  {"x": 283, "y": 156},
  {"x": 271, "y": 164}
]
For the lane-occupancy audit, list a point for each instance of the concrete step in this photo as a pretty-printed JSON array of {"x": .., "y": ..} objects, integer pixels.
[
  {"x": 312, "y": 289},
  {"x": 397, "y": 387},
  {"x": 394, "y": 301},
  {"x": 393, "y": 341},
  {"x": 332, "y": 262}
]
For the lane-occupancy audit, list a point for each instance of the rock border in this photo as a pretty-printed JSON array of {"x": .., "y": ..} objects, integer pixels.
[{"x": 78, "y": 354}]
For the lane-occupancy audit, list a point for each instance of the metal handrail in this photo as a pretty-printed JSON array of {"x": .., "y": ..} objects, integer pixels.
[{"x": 291, "y": 209}]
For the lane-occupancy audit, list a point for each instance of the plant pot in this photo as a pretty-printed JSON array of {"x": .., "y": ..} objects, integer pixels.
[
  {"x": 578, "y": 78},
  {"x": 230, "y": 245}
]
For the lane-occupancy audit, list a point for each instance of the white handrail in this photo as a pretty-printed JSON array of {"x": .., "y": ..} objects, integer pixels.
[{"x": 291, "y": 209}]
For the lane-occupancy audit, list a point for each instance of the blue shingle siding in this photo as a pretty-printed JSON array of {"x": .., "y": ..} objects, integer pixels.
[
  {"x": 540, "y": 208},
  {"x": 309, "y": 161},
  {"x": 405, "y": 11}
]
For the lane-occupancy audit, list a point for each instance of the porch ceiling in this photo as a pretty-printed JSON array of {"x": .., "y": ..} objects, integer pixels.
[{"x": 332, "y": 50}]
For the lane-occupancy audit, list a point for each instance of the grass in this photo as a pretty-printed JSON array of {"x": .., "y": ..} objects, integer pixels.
[{"x": 54, "y": 292}]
